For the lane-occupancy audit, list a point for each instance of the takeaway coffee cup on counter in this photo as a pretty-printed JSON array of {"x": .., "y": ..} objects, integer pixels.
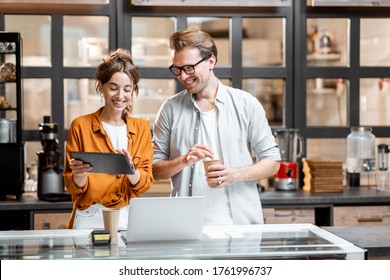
[
  {"x": 111, "y": 220},
  {"x": 209, "y": 162}
]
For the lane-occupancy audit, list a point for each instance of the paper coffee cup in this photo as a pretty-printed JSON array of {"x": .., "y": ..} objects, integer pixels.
[
  {"x": 206, "y": 164},
  {"x": 111, "y": 220}
]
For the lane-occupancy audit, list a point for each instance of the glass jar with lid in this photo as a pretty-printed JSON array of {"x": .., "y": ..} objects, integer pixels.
[{"x": 360, "y": 151}]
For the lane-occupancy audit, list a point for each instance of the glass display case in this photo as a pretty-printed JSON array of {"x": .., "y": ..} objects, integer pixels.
[
  {"x": 11, "y": 145},
  {"x": 266, "y": 242}
]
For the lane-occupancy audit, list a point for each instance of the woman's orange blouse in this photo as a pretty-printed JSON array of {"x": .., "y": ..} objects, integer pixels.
[{"x": 87, "y": 134}]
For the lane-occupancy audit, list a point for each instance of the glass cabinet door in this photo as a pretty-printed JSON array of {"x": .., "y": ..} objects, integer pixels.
[
  {"x": 271, "y": 94},
  {"x": 10, "y": 88},
  {"x": 374, "y": 42},
  {"x": 263, "y": 42},
  {"x": 84, "y": 44},
  {"x": 219, "y": 29},
  {"x": 327, "y": 42},
  {"x": 326, "y": 102},
  {"x": 327, "y": 45},
  {"x": 150, "y": 45},
  {"x": 347, "y": 80},
  {"x": 374, "y": 107},
  {"x": 36, "y": 33}
]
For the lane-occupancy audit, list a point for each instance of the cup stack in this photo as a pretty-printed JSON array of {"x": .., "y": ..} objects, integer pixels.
[{"x": 323, "y": 175}]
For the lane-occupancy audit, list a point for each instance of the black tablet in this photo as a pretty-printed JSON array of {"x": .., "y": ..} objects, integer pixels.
[{"x": 109, "y": 163}]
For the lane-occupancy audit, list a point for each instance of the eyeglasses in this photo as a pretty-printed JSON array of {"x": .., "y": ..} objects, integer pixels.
[{"x": 188, "y": 69}]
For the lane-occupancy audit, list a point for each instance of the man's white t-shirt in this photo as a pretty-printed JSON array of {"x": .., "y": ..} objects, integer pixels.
[{"x": 218, "y": 210}]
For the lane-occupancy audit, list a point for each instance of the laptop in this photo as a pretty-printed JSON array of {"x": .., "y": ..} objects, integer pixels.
[{"x": 165, "y": 218}]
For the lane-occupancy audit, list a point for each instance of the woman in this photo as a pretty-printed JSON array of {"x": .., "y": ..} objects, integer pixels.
[{"x": 111, "y": 129}]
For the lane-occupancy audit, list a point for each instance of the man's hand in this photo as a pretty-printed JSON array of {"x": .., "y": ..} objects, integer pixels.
[
  {"x": 197, "y": 153},
  {"x": 221, "y": 175}
]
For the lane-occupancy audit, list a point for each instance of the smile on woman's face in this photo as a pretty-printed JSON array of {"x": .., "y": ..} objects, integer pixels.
[{"x": 118, "y": 92}]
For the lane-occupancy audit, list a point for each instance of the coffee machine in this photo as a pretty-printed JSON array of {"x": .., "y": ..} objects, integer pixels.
[
  {"x": 50, "y": 177},
  {"x": 290, "y": 144}
]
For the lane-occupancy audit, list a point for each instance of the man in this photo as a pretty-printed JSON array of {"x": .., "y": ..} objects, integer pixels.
[{"x": 211, "y": 120}]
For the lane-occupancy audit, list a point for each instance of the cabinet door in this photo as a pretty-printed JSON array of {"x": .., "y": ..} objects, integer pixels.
[
  {"x": 11, "y": 171},
  {"x": 50, "y": 220},
  {"x": 288, "y": 215},
  {"x": 14, "y": 220},
  {"x": 362, "y": 216}
]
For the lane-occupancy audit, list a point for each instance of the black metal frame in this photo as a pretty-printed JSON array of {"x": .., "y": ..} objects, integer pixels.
[
  {"x": 354, "y": 72},
  {"x": 57, "y": 72},
  {"x": 236, "y": 72},
  {"x": 295, "y": 72}
]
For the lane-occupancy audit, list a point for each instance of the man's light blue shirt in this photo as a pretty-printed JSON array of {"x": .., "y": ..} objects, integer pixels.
[{"x": 243, "y": 128}]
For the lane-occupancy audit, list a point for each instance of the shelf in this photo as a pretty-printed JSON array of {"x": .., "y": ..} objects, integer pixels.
[
  {"x": 8, "y": 109},
  {"x": 324, "y": 57},
  {"x": 10, "y": 145},
  {"x": 322, "y": 91}
]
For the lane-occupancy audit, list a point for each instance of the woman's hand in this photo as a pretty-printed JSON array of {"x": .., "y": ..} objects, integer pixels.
[
  {"x": 128, "y": 155},
  {"x": 80, "y": 171},
  {"x": 133, "y": 178}
]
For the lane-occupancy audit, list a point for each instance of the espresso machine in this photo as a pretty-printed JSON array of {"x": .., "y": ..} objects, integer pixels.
[
  {"x": 50, "y": 177},
  {"x": 290, "y": 144}
]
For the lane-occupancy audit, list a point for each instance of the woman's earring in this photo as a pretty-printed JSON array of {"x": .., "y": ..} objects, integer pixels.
[{"x": 101, "y": 97}]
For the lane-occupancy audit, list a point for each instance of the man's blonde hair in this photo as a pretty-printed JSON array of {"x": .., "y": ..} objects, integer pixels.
[{"x": 194, "y": 38}]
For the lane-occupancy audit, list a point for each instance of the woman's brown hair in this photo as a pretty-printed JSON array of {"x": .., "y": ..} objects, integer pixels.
[{"x": 119, "y": 60}]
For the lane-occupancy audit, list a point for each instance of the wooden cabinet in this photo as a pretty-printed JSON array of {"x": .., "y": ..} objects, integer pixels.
[
  {"x": 49, "y": 220},
  {"x": 288, "y": 215},
  {"x": 342, "y": 216},
  {"x": 14, "y": 220},
  {"x": 361, "y": 216}
]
